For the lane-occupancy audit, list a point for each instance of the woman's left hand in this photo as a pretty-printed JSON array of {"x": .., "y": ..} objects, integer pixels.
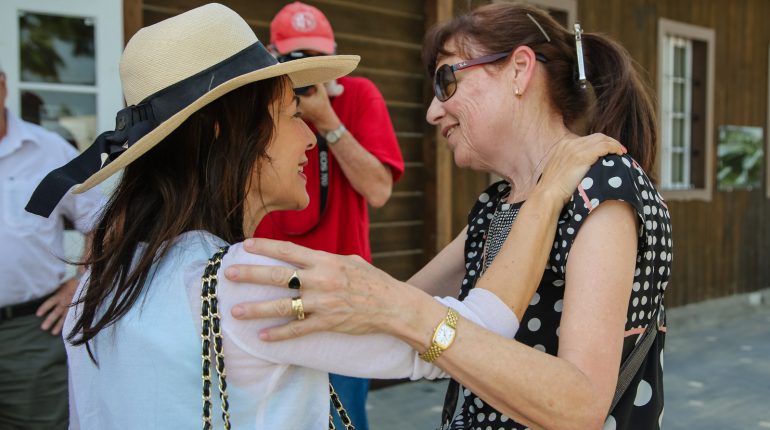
[{"x": 339, "y": 293}]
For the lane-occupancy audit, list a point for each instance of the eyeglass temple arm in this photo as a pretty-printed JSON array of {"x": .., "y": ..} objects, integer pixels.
[
  {"x": 481, "y": 60},
  {"x": 491, "y": 59}
]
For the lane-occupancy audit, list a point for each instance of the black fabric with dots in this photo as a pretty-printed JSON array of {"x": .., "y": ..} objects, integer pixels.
[{"x": 612, "y": 178}]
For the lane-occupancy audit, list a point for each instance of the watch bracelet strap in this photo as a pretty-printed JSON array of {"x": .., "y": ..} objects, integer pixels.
[
  {"x": 338, "y": 132},
  {"x": 434, "y": 351}
]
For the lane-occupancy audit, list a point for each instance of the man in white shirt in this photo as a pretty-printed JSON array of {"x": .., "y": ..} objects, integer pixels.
[{"x": 34, "y": 294}]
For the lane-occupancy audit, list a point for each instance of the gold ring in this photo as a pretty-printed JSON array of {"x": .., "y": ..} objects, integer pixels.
[
  {"x": 297, "y": 308},
  {"x": 294, "y": 282}
]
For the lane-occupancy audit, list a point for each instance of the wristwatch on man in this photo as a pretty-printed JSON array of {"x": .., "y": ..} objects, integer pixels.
[
  {"x": 443, "y": 337},
  {"x": 334, "y": 135}
]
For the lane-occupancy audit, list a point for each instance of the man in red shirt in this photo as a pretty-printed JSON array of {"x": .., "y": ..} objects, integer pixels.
[{"x": 355, "y": 163}]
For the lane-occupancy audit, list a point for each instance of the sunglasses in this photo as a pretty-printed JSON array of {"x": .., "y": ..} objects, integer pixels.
[
  {"x": 445, "y": 82},
  {"x": 296, "y": 55}
]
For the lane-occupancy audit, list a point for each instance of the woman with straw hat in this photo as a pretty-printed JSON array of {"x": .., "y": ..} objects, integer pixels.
[
  {"x": 211, "y": 141},
  {"x": 510, "y": 84}
]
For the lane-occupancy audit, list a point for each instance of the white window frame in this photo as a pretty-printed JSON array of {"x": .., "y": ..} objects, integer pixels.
[
  {"x": 669, "y": 33},
  {"x": 108, "y": 40},
  {"x": 668, "y": 115}
]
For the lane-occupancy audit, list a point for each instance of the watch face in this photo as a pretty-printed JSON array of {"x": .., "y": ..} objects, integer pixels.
[{"x": 444, "y": 336}]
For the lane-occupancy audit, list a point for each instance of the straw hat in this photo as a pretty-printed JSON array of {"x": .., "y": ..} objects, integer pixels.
[{"x": 169, "y": 71}]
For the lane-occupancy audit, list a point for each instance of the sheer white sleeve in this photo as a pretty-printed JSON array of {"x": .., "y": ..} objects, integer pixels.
[{"x": 371, "y": 356}]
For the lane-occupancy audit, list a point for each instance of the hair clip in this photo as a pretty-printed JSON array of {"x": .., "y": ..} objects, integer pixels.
[
  {"x": 579, "y": 49},
  {"x": 540, "y": 27}
]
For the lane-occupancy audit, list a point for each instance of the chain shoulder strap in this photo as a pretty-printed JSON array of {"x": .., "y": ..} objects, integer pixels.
[
  {"x": 211, "y": 335},
  {"x": 340, "y": 410}
]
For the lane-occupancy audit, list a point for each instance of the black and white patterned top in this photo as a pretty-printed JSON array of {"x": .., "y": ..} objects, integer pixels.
[
  {"x": 499, "y": 227},
  {"x": 612, "y": 178}
]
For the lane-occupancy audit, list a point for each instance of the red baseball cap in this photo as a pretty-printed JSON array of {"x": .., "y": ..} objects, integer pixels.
[{"x": 299, "y": 26}]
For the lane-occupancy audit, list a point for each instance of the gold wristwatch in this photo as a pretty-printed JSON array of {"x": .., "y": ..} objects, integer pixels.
[{"x": 443, "y": 336}]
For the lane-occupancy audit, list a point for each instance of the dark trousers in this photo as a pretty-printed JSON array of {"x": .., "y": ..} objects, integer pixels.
[
  {"x": 33, "y": 377},
  {"x": 352, "y": 393}
]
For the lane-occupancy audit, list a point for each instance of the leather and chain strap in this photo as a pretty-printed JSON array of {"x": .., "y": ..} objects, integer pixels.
[
  {"x": 340, "y": 410},
  {"x": 211, "y": 338}
]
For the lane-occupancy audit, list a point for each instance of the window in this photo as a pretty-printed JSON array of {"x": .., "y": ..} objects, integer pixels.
[
  {"x": 685, "y": 92},
  {"x": 61, "y": 60}
]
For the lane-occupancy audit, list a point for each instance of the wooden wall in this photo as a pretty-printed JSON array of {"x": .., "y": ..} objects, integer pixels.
[
  {"x": 387, "y": 34},
  {"x": 721, "y": 247}
]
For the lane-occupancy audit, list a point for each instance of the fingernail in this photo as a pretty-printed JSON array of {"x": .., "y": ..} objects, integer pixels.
[
  {"x": 625, "y": 150},
  {"x": 264, "y": 336},
  {"x": 232, "y": 272},
  {"x": 248, "y": 243},
  {"x": 237, "y": 311}
]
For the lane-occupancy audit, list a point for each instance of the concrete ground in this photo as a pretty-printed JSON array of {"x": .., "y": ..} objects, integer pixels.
[{"x": 716, "y": 362}]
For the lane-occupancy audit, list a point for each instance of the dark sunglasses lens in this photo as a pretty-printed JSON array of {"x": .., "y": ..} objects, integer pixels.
[
  {"x": 445, "y": 83},
  {"x": 294, "y": 55},
  {"x": 301, "y": 91}
]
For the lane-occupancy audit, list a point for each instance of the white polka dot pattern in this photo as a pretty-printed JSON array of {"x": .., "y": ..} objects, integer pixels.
[{"x": 613, "y": 178}]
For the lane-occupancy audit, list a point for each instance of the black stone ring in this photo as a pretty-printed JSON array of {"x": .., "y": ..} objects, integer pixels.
[{"x": 294, "y": 282}]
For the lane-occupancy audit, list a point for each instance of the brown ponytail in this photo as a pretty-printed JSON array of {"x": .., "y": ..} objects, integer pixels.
[
  {"x": 616, "y": 102},
  {"x": 623, "y": 107}
]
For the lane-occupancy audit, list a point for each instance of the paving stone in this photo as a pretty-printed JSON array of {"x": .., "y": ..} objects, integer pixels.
[{"x": 716, "y": 364}]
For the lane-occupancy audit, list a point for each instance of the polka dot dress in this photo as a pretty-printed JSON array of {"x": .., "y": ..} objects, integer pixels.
[{"x": 612, "y": 178}]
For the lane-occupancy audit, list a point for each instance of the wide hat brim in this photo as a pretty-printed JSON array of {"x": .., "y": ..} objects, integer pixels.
[{"x": 302, "y": 72}]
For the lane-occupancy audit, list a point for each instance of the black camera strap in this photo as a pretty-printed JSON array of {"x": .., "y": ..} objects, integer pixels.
[{"x": 323, "y": 171}]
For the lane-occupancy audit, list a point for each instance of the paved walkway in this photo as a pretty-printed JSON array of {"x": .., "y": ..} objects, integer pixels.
[{"x": 717, "y": 373}]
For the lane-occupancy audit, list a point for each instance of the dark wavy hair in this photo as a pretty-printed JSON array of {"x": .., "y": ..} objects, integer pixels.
[
  {"x": 194, "y": 179},
  {"x": 617, "y": 102}
]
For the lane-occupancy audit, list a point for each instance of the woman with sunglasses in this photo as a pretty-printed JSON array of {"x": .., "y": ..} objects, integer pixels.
[
  {"x": 212, "y": 141},
  {"x": 512, "y": 88}
]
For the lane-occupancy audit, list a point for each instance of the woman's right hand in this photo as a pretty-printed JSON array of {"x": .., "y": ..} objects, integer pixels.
[
  {"x": 344, "y": 294},
  {"x": 570, "y": 162}
]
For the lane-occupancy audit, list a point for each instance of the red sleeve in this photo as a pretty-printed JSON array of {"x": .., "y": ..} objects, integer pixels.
[{"x": 372, "y": 127}]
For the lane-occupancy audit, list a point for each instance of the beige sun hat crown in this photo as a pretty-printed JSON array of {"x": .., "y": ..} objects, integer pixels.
[
  {"x": 201, "y": 37},
  {"x": 169, "y": 71}
]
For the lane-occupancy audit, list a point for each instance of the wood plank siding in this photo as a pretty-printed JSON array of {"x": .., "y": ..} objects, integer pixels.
[
  {"x": 721, "y": 247},
  {"x": 387, "y": 34}
]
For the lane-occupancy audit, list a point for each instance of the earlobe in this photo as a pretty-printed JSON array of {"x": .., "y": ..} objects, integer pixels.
[{"x": 523, "y": 60}]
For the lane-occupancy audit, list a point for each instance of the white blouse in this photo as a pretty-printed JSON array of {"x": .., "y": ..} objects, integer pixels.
[{"x": 149, "y": 362}]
